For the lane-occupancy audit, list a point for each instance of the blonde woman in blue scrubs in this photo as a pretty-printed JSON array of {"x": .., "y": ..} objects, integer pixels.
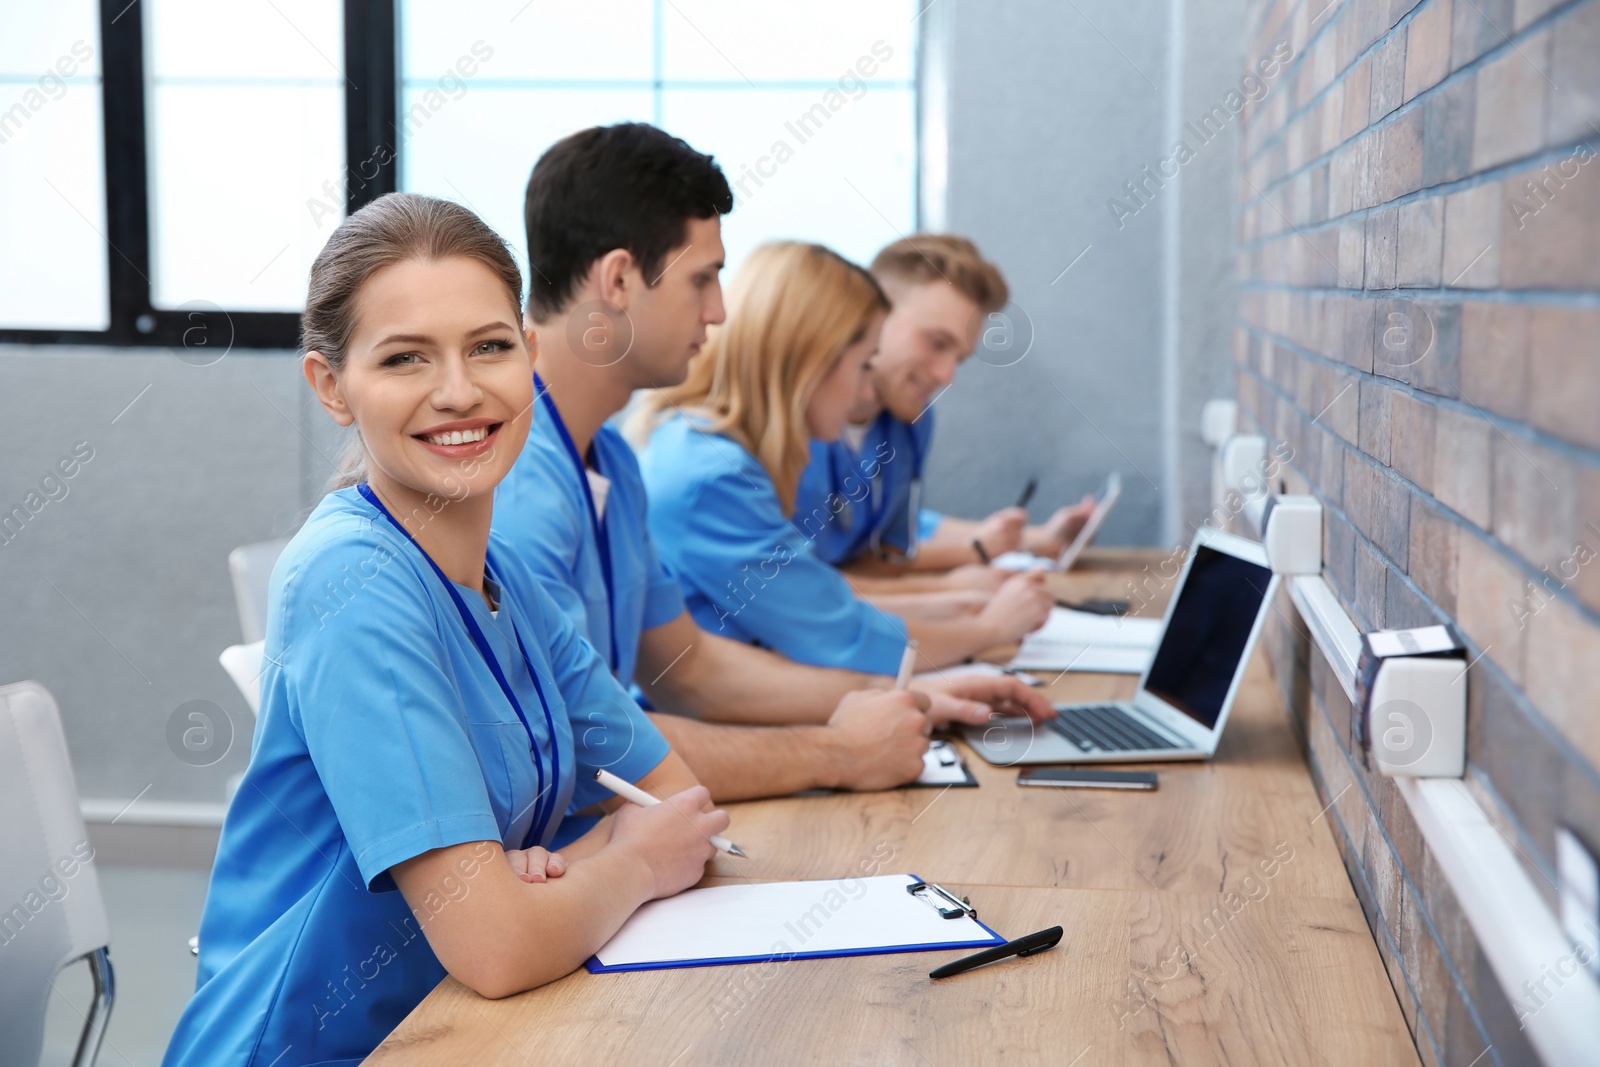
[
  {"x": 724, "y": 457},
  {"x": 414, "y": 759}
]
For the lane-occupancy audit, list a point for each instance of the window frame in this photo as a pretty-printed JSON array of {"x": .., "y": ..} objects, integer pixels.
[
  {"x": 371, "y": 101},
  {"x": 372, "y": 97}
]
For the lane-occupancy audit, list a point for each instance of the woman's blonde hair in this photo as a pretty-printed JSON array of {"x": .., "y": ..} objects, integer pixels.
[{"x": 793, "y": 309}]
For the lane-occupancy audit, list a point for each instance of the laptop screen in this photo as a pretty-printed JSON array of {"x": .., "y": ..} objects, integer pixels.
[{"x": 1207, "y": 633}]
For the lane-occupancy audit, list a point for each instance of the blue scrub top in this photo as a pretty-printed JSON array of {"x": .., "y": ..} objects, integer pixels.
[
  {"x": 747, "y": 572},
  {"x": 382, "y": 735},
  {"x": 540, "y": 510},
  {"x": 850, "y": 498}
]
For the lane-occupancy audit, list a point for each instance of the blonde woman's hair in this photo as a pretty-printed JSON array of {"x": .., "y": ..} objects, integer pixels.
[{"x": 793, "y": 309}]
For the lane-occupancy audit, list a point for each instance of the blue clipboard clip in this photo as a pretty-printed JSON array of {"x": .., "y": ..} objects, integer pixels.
[{"x": 940, "y": 899}]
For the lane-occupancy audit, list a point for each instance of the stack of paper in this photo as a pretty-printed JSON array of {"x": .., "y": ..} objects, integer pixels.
[
  {"x": 1080, "y": 641},
  {"x": 784, "y": 921}
]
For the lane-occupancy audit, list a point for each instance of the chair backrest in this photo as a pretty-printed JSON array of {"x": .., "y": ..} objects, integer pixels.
[
  {"x": 52, "y": 911},
  {"x": 251, "y": 567},
  {"x": 243, "y": 664}
]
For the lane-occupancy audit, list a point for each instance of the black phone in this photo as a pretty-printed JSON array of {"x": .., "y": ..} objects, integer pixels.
[{"x": 1072, "y": 778}]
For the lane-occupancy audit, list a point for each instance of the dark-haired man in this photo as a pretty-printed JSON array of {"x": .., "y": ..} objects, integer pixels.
[{"x": 625, "y": 247}]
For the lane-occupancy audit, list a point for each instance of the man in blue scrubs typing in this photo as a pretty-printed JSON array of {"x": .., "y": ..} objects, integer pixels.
[
  {"x": 624, "y": 241},
  {"x": 860, "y": 499}
]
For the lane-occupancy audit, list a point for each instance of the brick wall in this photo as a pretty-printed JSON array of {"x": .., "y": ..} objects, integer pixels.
[{"x": 1418, "y": 317}]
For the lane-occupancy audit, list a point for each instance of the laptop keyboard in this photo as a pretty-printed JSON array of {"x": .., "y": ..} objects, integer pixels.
[{"x": 1107, "y": 728}]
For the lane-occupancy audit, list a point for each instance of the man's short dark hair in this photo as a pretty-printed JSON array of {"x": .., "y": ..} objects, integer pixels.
[{"x": 629, "y": 186}]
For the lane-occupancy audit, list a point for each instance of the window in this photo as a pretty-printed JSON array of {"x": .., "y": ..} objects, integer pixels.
[
  {"x": 176, "y": 164},
  {"x": 809, "y": 108},
  {"x": 240, "y": 142},
  {"x": 52, "y": 170}
]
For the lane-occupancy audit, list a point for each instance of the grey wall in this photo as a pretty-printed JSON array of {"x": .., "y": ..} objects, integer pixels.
[
  {"x": 1051, "y": 108},
  {"x": 117, "y": 595}
]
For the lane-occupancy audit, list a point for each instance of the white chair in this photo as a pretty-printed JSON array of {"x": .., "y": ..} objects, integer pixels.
[
  {"x": 54, "y": 913},
  {"x": 243, "y": 664},
  {"x": 251, "y": 568}
]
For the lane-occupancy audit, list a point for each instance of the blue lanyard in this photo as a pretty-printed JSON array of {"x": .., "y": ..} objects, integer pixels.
[
  {"x": 887, "y": 422},
  {"x": 602, "y": 540},
  {"x": 545, "y": 802}
]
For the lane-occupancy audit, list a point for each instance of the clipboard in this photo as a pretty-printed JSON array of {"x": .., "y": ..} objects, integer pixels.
[{"x": 782, "y": 921}]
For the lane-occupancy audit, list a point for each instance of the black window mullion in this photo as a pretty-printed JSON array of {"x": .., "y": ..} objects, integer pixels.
[
  {"x": 371, "y": 169},
  {"x": 372, "y": 149},
  {"x": 127, "y": 173}
]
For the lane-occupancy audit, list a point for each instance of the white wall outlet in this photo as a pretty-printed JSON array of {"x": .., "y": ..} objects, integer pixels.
[{"x": 1293, "y": 537}]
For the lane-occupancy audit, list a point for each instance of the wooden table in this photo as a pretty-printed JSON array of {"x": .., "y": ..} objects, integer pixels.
[{"x": 1209, "y": 922}]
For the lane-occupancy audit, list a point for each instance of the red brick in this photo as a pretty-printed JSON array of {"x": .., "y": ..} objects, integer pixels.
[
  {"x": 1388, "y": 77},
  {"x": 1400, "y": 155},
  {"x": 1574, "y": 111},
  {"x": 1421, "y": 231},
  {"x": 1564, "y": 372},
  {"x": 1462, "y": 465},
  {"x": 1472, "y": 221},
  {"x": 1447, "y": 130},
  {"x": 1437, "y": 367},
  {"x": 1527, "y": 12},
  {"x": 1563, "y": 687},
  {"x": 1357, "y": 99},
  {"x": 1556, "y": 247},
  {"x": 1535, "y": 509},
  {"x": 1373, "y": 433},
  {"x": 1427, "y": 47},
  {"x": 1491, "y": 603},
  {"x": 1435, "y": 548},
  {"x": 1412, "y": 429},
  {"x": 1586, "y": 585},
  {"x": 1477, "y": 27},
  {"x": 1380, "y": 250},
  {"x": 1356, "y": 344},
  {"x": 1352, "y": 254},
  {"x": 1494, "y": 357},
  {"x": 1510, "y": 118},
  {"x": 1371, "y": 577}
]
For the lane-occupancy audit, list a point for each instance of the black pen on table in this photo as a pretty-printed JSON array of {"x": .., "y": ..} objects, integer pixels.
[
  {"x": 1027, "y": 492},
  {"x": 1026, "y": 945}
]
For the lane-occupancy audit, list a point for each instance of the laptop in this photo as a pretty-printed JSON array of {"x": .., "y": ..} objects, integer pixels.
[{"x": 1211, "y": 627}]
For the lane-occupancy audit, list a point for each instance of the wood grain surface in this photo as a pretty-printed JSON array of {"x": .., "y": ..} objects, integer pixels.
[{"x": 1211, "y": 921}]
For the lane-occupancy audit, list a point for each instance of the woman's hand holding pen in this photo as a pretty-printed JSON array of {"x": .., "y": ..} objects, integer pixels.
[{"x": 672, "y": 840}]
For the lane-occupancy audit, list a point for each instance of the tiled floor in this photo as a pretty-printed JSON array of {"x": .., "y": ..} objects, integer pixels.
[{"x": 154, "y": 911}]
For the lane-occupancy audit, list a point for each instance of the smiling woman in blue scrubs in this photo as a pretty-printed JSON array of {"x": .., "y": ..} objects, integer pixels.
[
  {"x": 414, "y": 757},
  {"x": 725, "y": 457}
]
